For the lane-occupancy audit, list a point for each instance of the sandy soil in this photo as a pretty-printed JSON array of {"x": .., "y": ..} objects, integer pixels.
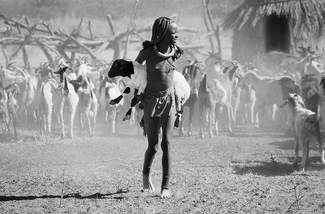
[{"x": 250, "y": 172}]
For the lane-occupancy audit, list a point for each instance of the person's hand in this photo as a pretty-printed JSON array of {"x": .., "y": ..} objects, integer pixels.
[{"x": 178, "y": 53}]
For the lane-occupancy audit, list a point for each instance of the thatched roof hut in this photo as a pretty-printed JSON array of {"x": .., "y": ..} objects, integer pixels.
[{"x": 262, "y": 26}]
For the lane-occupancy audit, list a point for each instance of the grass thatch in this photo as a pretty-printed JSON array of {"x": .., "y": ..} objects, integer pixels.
[{"x": 306, "y": 17}]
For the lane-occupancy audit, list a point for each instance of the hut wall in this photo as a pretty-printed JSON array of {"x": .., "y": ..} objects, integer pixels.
[{"x": 248, "y": 42}]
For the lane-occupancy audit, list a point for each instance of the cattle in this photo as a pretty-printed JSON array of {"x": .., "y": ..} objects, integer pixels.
[{"x": 306, "y": 127}]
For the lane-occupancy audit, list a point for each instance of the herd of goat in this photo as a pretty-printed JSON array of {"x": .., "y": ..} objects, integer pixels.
[{"x": 241, "y": 94}]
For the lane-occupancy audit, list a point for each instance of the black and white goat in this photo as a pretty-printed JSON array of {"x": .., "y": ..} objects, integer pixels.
[
  {"x": 66, "y": 95},
  {"x": 138, "y": 75},
  {"x": 306, "y": 127}
]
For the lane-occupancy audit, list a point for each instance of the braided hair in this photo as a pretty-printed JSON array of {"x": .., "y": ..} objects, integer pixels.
[{"x": 159, "y": 29}]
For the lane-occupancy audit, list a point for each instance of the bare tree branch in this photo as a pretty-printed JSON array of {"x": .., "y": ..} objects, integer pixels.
[{"x": 130, "y": 28}]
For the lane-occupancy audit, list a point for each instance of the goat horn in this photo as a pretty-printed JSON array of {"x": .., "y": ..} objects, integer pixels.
[
  {"x": 283, "y": 104},
  {"x": 10, "y": 64},
  {"x": 198, "y": 68},
  {"x": 21, "y": 71}
]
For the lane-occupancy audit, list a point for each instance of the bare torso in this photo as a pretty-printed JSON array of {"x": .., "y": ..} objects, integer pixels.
[{"x": 160, "y": 71}]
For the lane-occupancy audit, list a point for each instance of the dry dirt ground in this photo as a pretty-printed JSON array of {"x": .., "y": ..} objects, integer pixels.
[{"x": 249, "y": 172}]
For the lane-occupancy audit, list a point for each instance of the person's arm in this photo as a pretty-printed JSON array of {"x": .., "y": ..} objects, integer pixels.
[{"x": 140, "y": 58}]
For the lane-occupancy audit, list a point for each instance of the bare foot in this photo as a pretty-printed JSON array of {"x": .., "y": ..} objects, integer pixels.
[
  {"x": 147, "y": 184},
  {"x": 165, "y": 193}
]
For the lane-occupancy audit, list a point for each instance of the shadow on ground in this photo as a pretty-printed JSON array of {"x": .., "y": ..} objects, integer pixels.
[
  {"x": 274, "y": 168},
  {"x": 72, "y": 195}
]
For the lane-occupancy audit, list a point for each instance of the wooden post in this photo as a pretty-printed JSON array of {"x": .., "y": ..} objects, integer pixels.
[
  {"x": 130, "y": 29},
  {"x": 20, "y": 47},
  {"x": 110, "y": 23},
  {"x": 3, "y": 47},
  {"x": 207, "y": 24},
  {"x": 215, "y": 29},
  {"x": 45, "y": 51},
  {"x": 90, "y": 30},
  {"x": 25, "y": 57},
  {"x": 79, "y": 26},
  {"x": 217, "y": 33}
]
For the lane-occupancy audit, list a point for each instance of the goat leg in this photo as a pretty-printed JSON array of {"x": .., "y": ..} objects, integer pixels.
[
  {"x": 297, "y": 142},
  {"x": 127, "y": 115},
  {"x": 116, "y": 100},
  {"x": 321, "y": 150},
  {"x": 305, "y": 151}
]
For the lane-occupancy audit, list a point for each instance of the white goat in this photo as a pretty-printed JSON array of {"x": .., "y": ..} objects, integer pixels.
[
  {"x": 48, "y": 89},
  {"x": 109, "y": 90},
  {"x": 8, "y": 106},
  {"x": 212, "y": 95},
  {"x": 138, "y": 74},
  {"x": 66, "y": 95},
  {"x": 88, "y": 103},
  {"x": 306, "y": 127}
]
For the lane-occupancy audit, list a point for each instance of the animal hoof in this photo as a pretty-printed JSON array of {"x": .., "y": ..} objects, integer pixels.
[
  {"x": 231, "y": 134},
  {"x": 180, "y": 133},
  {"x": 112, "y": 102},
  {"x": 177, "y": 121},
  {"x": 295, "y": 166},
  {"x": 142, "y": 123},
  {"x": 126, "y": 117},
  {"x": 201, "y": 135}
]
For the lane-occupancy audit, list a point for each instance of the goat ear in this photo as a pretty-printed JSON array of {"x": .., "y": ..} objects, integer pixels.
[
  {"x": 185, "y": 70},
  {"x": 283, "y": 104}
]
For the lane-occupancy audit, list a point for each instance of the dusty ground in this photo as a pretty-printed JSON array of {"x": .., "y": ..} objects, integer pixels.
[{"x": 248, "y": 173}]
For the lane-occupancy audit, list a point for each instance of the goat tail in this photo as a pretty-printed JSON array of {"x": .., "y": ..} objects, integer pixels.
[
  {"x": 203, "y": 84},
  {"x": 312, "y": 124},
  {"x": 91, "y": 94},
  {"x": 65, "y": 88}
]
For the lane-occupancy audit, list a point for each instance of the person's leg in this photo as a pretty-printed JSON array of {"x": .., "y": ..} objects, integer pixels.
[
  {"x": 167, "y": 130},
  {"x": 152, "y": 125}
]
